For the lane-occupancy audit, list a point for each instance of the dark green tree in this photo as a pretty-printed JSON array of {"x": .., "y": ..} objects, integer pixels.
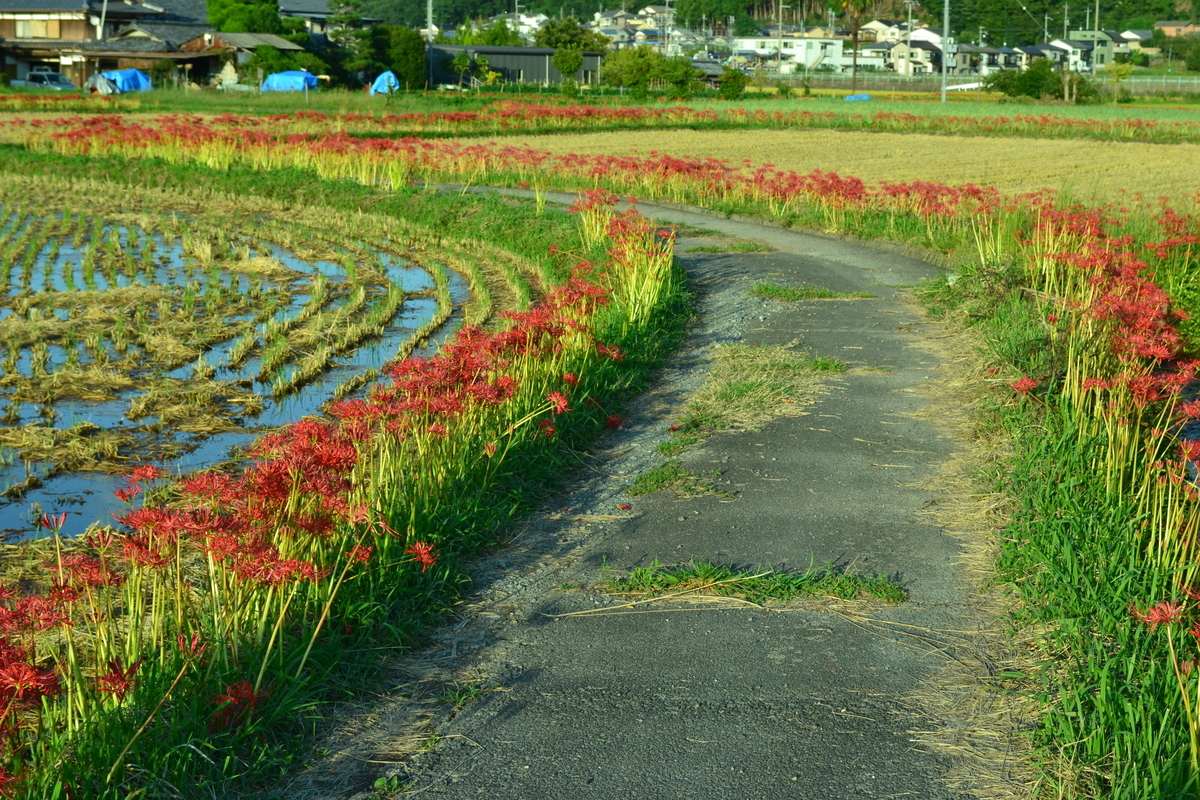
[
  {"x": 568, "y": 60},
  {"x": 733, "y": 83},
  {"x": 569, "y": 33},
  {"x": 245, "y": 16},
  {"x": 408, "y": 57},
  {"x": 632, "y": 67},
  {"x": 461, "y": 65}
]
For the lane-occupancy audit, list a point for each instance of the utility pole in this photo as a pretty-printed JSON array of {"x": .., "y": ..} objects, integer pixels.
[
  {"x": 429, "y": 38},
  {"x": 1046, "y": 26},
  {"x": 1066, "y": 18},
  {"x": 908, "y": 40},
  {"x": 779, "y": 6},
  {"x": 945, "y": 44}
]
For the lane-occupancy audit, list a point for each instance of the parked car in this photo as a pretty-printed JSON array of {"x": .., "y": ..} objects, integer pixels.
[{"x": 55, "y": 81}]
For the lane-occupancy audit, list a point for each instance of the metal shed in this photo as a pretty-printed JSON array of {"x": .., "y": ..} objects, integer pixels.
[{"x": 515, "y": 64}]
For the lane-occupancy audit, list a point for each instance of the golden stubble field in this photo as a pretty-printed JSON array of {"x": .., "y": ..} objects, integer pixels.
[{"x": 1086, "y": 169}]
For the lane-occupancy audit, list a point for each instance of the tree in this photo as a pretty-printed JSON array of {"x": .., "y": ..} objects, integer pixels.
[
  {"x": 407, "y": 55},
  {"x": 271, "y": 60},
  {"x": 733, "y": 83},
  {"x": 569, "y": 33},
  {"x": 498, "y": 34},
  {"x": 631, "y": 68},
  {"x": 568, "y": 61},
  {"x": 1118, "y": 72},
  {"x": 461, "y": 65},
  {"x": 634, "y": 67},
  {"x": 856, "y": 10},
  {"x": 245, "y": 16}
]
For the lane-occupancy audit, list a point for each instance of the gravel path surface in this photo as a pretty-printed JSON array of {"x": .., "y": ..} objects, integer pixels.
[{"x": 711, "y": 700}]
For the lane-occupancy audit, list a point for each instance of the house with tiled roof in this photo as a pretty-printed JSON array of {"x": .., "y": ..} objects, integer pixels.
[
  {"x": 1176, "y": 27},
  {"x": 80, "y": 37}
]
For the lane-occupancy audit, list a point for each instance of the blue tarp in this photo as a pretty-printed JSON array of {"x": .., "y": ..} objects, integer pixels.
[
  {"x": 291, "y": 81},
  {"x": 385, "y": 83},
  {"x": 858, "y": 97},
  {"x": 129, "y": 80}
]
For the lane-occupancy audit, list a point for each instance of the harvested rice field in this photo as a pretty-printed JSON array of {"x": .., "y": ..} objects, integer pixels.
[
  {"x": 139, "y": 326},
  {"x": 1085, "y": 169}
]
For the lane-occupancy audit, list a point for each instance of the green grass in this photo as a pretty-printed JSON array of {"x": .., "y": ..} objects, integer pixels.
[
  {"x": 459, "y": 694},
  {"x": 1110, "y": 722},
  {"x": 757, "y": 586},
  {"x": 739, "y": 246},
  {"x": 791, "y": 294},
  {"x": 674, "y": 477}
]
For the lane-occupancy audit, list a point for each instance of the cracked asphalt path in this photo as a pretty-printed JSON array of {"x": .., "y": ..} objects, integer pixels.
[{"x": 702, "y": 701}]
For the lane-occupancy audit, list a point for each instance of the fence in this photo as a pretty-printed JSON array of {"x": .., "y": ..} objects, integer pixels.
[{"x": 884, "y": 81}]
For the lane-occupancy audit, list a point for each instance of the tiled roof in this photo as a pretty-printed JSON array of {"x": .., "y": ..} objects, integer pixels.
[{"x": 304, "y": 8}]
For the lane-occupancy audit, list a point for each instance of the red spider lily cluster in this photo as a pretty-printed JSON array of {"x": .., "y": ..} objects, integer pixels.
[
  {"x": 240, "y": 568},
  {"x": 512, "y": 116}
]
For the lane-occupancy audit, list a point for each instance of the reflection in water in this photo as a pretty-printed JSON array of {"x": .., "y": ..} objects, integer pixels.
[{"x": 87, "y": 497}]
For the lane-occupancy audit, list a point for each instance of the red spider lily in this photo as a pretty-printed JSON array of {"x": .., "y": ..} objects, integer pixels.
[
  {"x": 614, "y": 422},
  {"x": 611, "y": 353},
  {"x": 84, "y": 570},
  {"x": 54, "y": 522},
  {"x": 1023, "y": 386},
  {"x": 559, "y": 402},
  {"x": 1189, "y": 449},
  {"x": 118, "y": 681},
  {"x": 360, "y": 553},
  {"x": 423, "y": 554},
  {"x": 490, "y": 448},
  {"x": 547, "y": 428},
  {"x": 126, "y": 493},
  {"x": 146, "y": 472},
  {"x": 236, "y": 705},
  {"x": 23, "y": 682},
  {"x": 192, "y": 649},
  {"x": 1162, "y": 613},
  {"x": 9, "y": 784},
  {"x": 570, "y": 379}
]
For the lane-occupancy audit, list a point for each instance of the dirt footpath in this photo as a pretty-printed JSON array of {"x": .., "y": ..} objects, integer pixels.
[{"x": 691, "y": 699}]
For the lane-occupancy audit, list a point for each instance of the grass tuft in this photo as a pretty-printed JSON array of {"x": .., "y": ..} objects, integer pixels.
[
  {"x": 737, "y": 246},
  {"x": 759, "y": 586},
  {"x": 676, "y": 478}
]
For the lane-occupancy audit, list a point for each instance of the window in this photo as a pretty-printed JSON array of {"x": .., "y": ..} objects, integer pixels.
[{"x": 37, "y": 29}]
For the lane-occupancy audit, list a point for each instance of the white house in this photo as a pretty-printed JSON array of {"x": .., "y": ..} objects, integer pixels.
[{"x": 797, "y": 53}]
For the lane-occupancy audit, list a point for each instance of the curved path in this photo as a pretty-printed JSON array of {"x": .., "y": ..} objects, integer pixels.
[{"x": 715, "y": 701}]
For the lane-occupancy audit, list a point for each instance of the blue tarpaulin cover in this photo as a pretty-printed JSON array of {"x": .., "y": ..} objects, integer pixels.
[
  {"x": 858, "y": 97},
  {"x": 130, "y": 80},
  {"x": 290, "y": 81},
  {"x": 387, "y": 82}
]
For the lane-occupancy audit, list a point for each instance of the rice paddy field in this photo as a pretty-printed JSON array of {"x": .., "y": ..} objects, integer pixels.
[
  {"x": 144, "y": 327},
  {"x": 1087, "y": 170}
]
